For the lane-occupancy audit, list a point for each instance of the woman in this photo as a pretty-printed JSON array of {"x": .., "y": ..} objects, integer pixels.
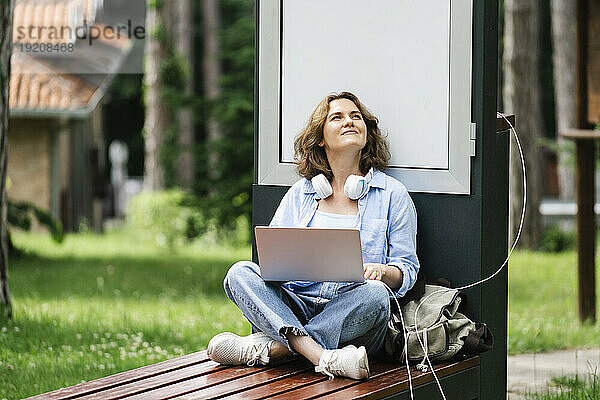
[{"x": 341, "y": 155}]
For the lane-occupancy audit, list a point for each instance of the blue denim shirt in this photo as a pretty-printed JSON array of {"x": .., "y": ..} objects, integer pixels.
[{"x": 388, "y": 223}]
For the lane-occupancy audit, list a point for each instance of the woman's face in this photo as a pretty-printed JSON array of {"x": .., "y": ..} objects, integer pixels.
[{"x": 344, "y": 127}]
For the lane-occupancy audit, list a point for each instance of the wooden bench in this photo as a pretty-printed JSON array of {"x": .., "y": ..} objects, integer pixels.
[{"x": 194, "y": 376}]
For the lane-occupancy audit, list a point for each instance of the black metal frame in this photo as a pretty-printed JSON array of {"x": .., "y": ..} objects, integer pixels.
[{"x": 461, "y": 238}]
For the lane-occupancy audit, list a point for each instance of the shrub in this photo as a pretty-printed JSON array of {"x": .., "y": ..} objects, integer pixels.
[
  {"x": 19, "y": 215},
  {"x": 168, "y": 218},
  {"x": 555, "y": 240}
]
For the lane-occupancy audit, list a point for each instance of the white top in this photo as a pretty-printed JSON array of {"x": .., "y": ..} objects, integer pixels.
[{"x": 324, "y": 219}]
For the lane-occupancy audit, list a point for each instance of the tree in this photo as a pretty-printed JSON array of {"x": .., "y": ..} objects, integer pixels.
[
  {"x": 168, "y": 78},
  {"x": 564, "y": 39},
  {"x": 212, "y": 77},
  {"x": 522, "y": 97},
  {"x": 5, "y": 52},
  {"x": 157, "y": 116},
  {"x": 184, "y": 40}
]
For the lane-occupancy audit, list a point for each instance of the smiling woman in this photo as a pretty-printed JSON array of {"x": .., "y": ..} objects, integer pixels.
[
  {"x": 310, "y": 154},
  {"x": 341, "y": 156}
]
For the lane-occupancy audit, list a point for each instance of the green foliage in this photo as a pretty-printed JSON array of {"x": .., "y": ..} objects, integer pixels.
[
  {"x": 227, "y": 191},
  {"x": 126, "y": 87},
  {"x": 159, "y": 32},
  {"x": 173, "y": 72},
  {"x": 567, "y": 147},
  {"x": 227, "y": 197},
  {"x": 19, "y": 216},
  {"x": 169, "y": 154},
  {"x": 555, "y": 240},
  {"x": 239, "y": 235},
  {"x": 168, "y": 218},
  {"x": 155, "y": 4}
]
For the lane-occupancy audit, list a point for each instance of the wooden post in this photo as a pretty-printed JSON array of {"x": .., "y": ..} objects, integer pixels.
[
  {"x": 584, "y": 138},
  {"x": 586, "y": 221},
  {"x": 586, "y": 230}
]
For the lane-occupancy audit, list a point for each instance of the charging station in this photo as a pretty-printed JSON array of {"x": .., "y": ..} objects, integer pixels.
[{"x": 428, "y": 71}]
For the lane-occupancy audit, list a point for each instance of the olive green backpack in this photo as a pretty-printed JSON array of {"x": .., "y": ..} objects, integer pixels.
[{"x": 445, "y": 333}]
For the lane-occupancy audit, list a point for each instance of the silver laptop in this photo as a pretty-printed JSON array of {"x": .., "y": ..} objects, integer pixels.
[{"x": 309, "y": 254}]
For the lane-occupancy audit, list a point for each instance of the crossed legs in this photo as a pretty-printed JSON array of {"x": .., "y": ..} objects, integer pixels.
[{"x": 359, "y": 313}]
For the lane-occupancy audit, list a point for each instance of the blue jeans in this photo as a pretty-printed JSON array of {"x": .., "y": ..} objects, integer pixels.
[{"x": 334, "y": 314}]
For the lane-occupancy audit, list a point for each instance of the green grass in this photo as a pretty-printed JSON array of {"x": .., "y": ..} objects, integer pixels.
[
  {"x": 543, "y": 304},
  {"x": 570, "y": 388},
  {"x": 98, "y": 305}
]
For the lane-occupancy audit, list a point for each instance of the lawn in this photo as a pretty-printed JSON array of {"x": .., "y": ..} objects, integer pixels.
[
  {"x": 543, "y": 303},
  {"x": 97, "y": 305}
]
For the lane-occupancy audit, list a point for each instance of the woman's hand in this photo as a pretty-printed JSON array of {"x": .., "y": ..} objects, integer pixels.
[
  {"x": 374, "y": 271},
  {"x": 390, "y": 275}
]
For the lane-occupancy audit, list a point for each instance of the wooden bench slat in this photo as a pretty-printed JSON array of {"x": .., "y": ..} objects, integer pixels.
[
  {"x": 156, "y": 381},
  {"x": 379, "y": 371},
  {"x": 190, "y": 385},
  {"x": 329, "y": 385},
  {"x": 124, "y": 377},
  {"x": 280, "y": 386},
  {"x": 251, "y": 381},
  {"x": 397, "y": 381}
]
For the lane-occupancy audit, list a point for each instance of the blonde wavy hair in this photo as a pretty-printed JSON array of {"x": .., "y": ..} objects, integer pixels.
[{"x": 310, "y": 158}]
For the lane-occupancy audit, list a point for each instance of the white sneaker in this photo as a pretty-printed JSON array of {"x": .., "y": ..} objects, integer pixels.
[
  {"x": 349, "y": 362},
  {"x": 231, "y": 349}
]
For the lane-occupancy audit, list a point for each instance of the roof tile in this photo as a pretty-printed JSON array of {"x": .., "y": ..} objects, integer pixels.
[
  {"x": 38, "y": 87},
  {"x": 35, "y": 83}
]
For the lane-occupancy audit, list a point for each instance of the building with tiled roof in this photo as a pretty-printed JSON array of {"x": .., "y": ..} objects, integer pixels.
[
  {"x": 35, "y": 86},
  {"x": 55, "y": 138}
]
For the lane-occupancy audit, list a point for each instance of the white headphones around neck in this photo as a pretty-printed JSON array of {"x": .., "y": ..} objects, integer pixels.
[{"x": 355, "y": 186}]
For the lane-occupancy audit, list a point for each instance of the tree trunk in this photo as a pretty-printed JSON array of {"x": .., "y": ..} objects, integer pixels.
[
  {"x": 184, "y": 38},
  {"x": 212, "y": 76},
  {"x": 564, "y": 45},
  {"x": 522, "y": 97},
  {"x": 5, "y": 52},
  {"x": 157, "y": 115}
]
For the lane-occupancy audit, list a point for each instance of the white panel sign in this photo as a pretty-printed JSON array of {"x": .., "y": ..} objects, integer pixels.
[
  {"x": 408, "y": 61},
  {"x": 351, "y": 55}
]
